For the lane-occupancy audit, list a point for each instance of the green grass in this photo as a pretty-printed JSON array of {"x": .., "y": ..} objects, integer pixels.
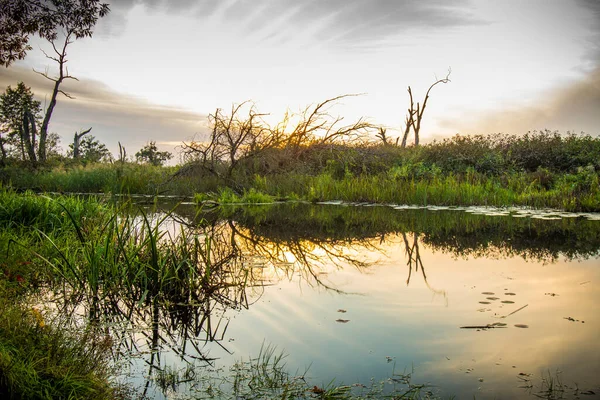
[
  {"x": 39, "y": 360},
  {"x": 571, "y": 192}
]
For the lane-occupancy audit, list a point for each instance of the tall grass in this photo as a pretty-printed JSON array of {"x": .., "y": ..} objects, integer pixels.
[{"x": 572, "y": 192}]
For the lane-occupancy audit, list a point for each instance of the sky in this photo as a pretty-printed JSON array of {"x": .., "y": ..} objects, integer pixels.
[{"x": 154, "y": 69}]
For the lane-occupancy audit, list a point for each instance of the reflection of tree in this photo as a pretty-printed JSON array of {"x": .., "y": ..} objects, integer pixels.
[
  {"x": 224, "y": 261},
  {"x": 178, "y": 300},
  {"x": 307, "y": 257},
  {"x": 413, "y": 256},
  {"x": 456, "y": 232}
]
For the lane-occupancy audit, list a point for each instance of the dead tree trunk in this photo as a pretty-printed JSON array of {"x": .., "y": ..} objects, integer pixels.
[
  {"x": 28, "y": 135},
  {"x": 63, "y": 73},
  {"x": 409, "y": 119},
  {"x": 76, "y": 140},
  {"x": 415, "y": 115}
]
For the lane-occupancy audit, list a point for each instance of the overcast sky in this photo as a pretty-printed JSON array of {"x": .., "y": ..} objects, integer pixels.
[{"x": 154, "y": 69}]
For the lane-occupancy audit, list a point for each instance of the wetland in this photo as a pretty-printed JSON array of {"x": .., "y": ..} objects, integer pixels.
[{"x": 302, "y": 300}]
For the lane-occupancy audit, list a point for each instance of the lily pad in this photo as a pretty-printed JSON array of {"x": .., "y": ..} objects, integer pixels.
[
  {"x": 509, "y": 294},
  {"x": 484, "y": 302},
  {"x": 492, "y": 298},
  {"x": 488, "y": 293},
  {"x": 507, "y": 302},
  {"x": 342, "y": 321},
  {"x": 521, "y": 326}
]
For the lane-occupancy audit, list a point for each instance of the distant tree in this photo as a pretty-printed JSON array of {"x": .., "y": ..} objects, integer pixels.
[
  {"x": 91, "y": 150},
  {"x": 53, "y": 148},
  {"x": 415, "y": 114},
  {"x": 19, "y": 113},
  {"x": 150, "y": 154},
  {"x": 21, "y": 18}
]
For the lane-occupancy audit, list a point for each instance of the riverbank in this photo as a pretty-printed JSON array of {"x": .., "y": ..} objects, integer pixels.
[{"x": 539, "y": 170}]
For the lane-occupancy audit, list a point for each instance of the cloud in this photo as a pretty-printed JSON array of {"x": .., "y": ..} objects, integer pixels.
[
  {"x": 345, "y": 22},
  {"x": 568, "y": 108},
  {"x": 114, "y": 117},
  {"x": 593, "y": 9}
]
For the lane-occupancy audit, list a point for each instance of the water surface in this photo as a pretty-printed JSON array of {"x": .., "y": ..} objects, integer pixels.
[{"x": 476, "y": 302}]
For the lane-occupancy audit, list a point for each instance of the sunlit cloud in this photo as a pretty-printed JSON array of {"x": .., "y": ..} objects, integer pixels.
[{"x": 569, "y": 108}]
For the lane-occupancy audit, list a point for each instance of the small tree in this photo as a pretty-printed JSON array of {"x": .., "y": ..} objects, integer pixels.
[
  {"x": 91, "y": 151},
  {"x": 19, "y": 113},
  {"x": 150, "y": 154}
]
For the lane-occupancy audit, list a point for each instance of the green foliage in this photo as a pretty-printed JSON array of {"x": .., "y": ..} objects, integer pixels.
[
  {"x": 150, "y": 154},
  {"x": 15, "y": 104},
  {"x": 46, "y": 18},
  {"x": 91, "y": 151}
]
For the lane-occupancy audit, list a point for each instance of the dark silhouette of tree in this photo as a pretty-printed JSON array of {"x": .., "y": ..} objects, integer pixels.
[
  {"x": 150, "y": 154},
  {"x": 238, "y": 138},
  {"x": 415, "y": 114},
  {"x": 21, "y": 18},
  {"x": 19, "y": 113}
]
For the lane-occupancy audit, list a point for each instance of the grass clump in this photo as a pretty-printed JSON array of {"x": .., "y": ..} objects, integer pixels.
[
  {"x": 40, "y": 361},
  {"x": 229, "y": 196}
]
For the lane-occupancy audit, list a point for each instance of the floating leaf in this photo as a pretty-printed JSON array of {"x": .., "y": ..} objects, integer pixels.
[
  {"x": 492, "y": 298},
  {"x": 509, "y": 294},
  {"x": 488, "y": 293},
  {"x": 521, "y": 326},
  {"x": 484, "y": 302},
  {"x": 507, "y": 302},
  {"x": 342, "y": 321},
  {"x": 341, "y": 311}
]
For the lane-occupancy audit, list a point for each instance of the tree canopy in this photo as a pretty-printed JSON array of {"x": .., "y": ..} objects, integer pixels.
[
  {"x": 18, "y": 112},
  {"x": 46, "y": 18},
  {"x": 150, "y": 154},
  {"x": 91, "y": 151}
]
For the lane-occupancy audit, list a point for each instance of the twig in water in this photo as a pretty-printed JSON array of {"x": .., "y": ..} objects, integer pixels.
[{"x": 515, "y": 311}]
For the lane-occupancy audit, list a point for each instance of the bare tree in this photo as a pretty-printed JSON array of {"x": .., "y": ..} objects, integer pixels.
[
  {"x": 233, "y": 138},
  {"x": 63, "y": 73},
  {"x": 240, "y": 136},
  {"x": 415, "y": 114},
  {"x": 317, "y": 126}
]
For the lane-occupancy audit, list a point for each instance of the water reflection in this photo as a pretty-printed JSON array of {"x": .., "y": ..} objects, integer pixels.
[{"x": 237, "y": 254}]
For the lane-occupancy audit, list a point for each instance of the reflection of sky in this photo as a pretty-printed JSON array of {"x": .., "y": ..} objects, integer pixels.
[{"x": 420, "y": 328}]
